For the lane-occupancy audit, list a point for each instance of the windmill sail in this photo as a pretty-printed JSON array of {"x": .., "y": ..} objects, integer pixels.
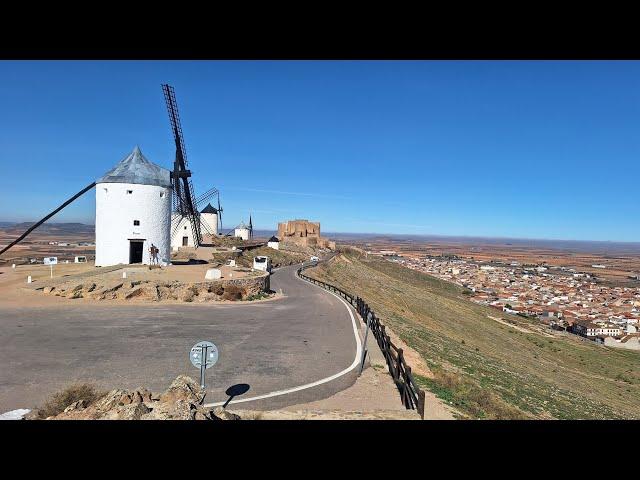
[{"x": 183, "y": 193}]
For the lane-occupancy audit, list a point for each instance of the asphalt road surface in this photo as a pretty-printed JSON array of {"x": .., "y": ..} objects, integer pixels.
[{"x": 301, "y": 338}]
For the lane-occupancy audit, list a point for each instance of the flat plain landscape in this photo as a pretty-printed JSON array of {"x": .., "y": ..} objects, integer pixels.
[
  {"x": 622, "y": 260},
  {"x": 37, "y": 244}
]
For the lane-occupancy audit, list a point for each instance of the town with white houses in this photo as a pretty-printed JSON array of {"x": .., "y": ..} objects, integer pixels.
[{"x": 559, "y": 297}]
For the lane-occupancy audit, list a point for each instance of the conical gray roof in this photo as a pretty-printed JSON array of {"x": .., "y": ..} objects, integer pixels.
[
  {"x": 209, "y": 209},
  {"x": 135, "y": 168}
]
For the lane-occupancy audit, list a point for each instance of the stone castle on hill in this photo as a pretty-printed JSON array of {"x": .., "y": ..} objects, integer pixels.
[{"x": 303, "y": 232}]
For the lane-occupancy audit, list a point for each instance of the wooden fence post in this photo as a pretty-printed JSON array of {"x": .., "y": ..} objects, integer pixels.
[
  {"x": 401, "y": 382},
  {"x": 407, "y": 370},
  {"x": 420, "y": 406}
]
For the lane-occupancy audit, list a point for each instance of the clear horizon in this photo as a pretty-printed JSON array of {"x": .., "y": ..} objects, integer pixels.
[
  {"x": 401, "y": 234},
  {"x": 531, "y": 150}
]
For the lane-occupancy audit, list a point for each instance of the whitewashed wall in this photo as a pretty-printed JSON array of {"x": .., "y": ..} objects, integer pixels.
[
  {"x": 242, "y": 233},
  {"x": 211, "y": 222},
  {"x": 176, "y": 241},
  {"x": 115, "y": 212}
]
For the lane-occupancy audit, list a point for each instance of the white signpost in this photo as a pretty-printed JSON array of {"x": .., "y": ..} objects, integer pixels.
[
  {"x": 51, "y": 261},
  {"x": 203, "y": 355}
]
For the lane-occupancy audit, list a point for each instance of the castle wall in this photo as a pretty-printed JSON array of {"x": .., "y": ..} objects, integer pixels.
[{"x": 302, "y": 232}]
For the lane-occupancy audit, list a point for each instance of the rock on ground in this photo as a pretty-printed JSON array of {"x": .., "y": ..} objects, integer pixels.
[{"x": 181, "y": 401}]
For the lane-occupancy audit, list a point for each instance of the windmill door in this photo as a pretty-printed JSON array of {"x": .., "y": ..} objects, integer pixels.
[
  {"x": 185, "y": 241},
  {"x": 135, "y": 251}
]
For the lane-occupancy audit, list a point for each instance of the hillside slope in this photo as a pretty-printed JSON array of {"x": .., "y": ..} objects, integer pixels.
[{"x": 484, "y": 367}]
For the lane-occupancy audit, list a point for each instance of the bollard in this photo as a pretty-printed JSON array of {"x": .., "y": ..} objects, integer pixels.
[
  {"x": 29, "y": 279},
  {"x": 13, "y": 266},
  {"x": 124, "y": 274}
]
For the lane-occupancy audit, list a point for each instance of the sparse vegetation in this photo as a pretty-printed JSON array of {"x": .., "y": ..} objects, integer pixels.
[
  {"x": 61, "y": 400},
  {"x": 224, "y": 241},
  {"x": 497, "y": 371},
  {"x": 468, "y": 396},
  {"x": 279, "y": 258},
  {"x": 258, "y": 296}
]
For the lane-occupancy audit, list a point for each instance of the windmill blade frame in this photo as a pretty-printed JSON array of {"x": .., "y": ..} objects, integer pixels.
[
  {"x": 206, "y": 196},
  {"x": 183, "y": 191}
]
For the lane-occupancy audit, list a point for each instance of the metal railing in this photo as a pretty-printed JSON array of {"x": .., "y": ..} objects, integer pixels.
[{"x": 412, "y": 396}]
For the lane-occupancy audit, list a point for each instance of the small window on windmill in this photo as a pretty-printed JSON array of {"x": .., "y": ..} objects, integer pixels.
[
  {"x": 185, "y": 227},
  {"x": 129, "y": 192},
  {"x": 136, "y": 223},
  {"x": 106, "y": 190},
  {"x": 161, "y": 194}
]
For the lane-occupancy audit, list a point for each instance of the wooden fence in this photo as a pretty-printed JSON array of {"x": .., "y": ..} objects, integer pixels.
[{"x": 411, "y": 395}]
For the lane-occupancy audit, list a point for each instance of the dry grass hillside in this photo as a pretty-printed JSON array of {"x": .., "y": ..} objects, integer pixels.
[
  {"x": 279, "y": 258},
  {"x": 485, "y": 368}
]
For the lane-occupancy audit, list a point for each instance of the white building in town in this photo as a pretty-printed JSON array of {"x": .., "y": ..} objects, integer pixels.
[
  {"x": 183, "y": 233},
  {"x": 133, "y": 211},
  {"x": 274, "y": 243}
]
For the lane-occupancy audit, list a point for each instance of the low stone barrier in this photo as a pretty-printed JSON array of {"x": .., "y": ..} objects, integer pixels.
[{"x": 207, "y": 291}]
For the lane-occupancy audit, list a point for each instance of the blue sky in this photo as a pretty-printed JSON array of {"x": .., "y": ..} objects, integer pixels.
[{"x": 513, "y": 149}]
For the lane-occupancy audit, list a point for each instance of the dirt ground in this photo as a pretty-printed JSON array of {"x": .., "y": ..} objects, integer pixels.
[
  {"x": 16, "y": 292},
  {"x": 182, "y": 273}
]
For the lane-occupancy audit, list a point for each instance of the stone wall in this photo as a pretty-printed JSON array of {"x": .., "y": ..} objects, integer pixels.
[
  {"x": 252, "y": 285},
  {"x": 156, "y": 291}
]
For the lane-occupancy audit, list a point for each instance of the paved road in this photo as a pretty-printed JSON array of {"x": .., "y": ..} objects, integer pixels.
[{"x": 274, "y": 345}]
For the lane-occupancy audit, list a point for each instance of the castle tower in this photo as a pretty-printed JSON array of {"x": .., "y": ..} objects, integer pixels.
[{"x": 133, "y": 210}]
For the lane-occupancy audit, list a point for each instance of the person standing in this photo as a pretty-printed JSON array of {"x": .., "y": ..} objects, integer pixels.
[{"x": 152, "y": 254}]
